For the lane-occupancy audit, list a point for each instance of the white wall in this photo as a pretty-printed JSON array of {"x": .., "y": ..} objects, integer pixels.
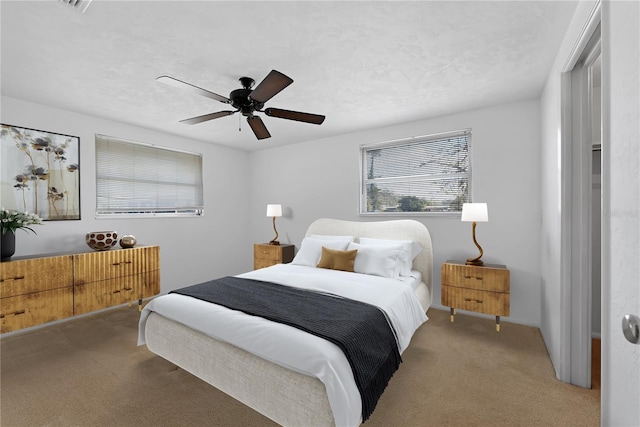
[
  {"x": 550, "y": 192},
  {"x": 313, "y": 179},
  {"x": 321, "y": 179},
  {"x": 192, "y": 249}
]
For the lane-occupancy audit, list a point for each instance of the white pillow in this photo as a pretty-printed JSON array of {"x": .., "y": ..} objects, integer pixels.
[
  {"x": 410, "y": 250},
  {"x": 311, "y": 250},
  {"x": 376, "y": 260},
  {"x": 326, "y": 237}
]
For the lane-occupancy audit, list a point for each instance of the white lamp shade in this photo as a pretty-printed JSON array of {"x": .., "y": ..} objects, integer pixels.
[
  {"x": 274, "y": 210},
  {"x": 475, "y": 212}
]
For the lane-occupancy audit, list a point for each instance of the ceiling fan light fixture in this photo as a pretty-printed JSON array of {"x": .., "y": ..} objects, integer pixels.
[
  {"x": 79, "y": 5},
  {"x": 248, "y": 101}
]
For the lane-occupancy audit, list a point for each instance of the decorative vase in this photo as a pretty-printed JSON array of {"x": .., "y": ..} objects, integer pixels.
[
  {"x": 8, "y": 245},
  {"x": 128, "y": 241},
  {"x": 101, "y": 240}
]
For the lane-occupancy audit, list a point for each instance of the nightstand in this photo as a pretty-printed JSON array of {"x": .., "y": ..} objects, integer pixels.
[
  {"x": 266, "y": 255},
  {"x": 483, "y": 289}
]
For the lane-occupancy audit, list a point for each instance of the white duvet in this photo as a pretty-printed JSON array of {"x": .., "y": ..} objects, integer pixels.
[{"x": 291, "y": 347}]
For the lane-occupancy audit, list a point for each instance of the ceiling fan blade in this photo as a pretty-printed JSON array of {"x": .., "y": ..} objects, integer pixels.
[
  {"x": 183, "y": 85},
  {"x": 270, "y": 86},
  {"x": 200, "y": 119},
  {"x": 258, "y": 127},
  {"x": 315, "y": 119}
]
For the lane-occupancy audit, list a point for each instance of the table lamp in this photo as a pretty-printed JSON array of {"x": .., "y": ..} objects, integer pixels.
[
  {"x": 475, "y": 212},
  {"x": 274, "y": 211}
]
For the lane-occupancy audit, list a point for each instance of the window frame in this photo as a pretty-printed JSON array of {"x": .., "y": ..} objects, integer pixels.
[
  {"x": 190, "y": 212},
  {"x": 362, "y": 190}
]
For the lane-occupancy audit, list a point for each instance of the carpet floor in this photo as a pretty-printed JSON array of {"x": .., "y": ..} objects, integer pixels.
[{"x": 89, "y": 372}]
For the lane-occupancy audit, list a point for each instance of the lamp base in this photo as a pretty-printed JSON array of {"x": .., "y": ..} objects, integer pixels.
[
  {"x": 274, "y": 242},
  {"x": 473, "y": 261}
]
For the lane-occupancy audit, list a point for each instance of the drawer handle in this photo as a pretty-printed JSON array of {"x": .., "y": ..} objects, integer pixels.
[
  {"x": 123, "y": 262},
  {"x": 473, "y": 277},
  {"x": 15, "y": 313},
  {"x": 12, "y": 278},
  {"x": 479, "y": 301},
  {"x": 117, "y": 291},
  {"x": 128, "y": 289}
]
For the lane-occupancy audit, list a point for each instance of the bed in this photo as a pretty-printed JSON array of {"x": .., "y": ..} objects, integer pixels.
[{"x": 285, "y": 388}]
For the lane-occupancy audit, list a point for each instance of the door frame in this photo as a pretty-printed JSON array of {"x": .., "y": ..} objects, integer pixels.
[{"x": 575, "y": 329}]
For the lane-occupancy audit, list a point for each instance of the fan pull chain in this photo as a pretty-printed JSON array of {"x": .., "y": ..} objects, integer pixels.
[{"x": 239, "y": 124}]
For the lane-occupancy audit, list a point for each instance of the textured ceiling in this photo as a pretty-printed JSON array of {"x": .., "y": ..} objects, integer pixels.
[{"x": 363, "y": 64}]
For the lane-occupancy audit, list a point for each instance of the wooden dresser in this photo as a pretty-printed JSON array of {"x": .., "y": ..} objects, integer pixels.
[
  {"x": 41, "y": 289},
  {"x": 265, "y": 255},
  {"x": 483, "y": 289}
]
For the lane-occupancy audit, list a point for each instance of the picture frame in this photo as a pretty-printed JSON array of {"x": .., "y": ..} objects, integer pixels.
[{"x": 40, "y": 172}]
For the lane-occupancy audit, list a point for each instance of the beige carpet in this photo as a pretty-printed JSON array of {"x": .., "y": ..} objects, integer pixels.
[{"x": 89, "y": 372}]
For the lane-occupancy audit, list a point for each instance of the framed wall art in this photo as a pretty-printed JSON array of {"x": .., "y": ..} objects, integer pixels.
[{"x": 40, "y": 173}]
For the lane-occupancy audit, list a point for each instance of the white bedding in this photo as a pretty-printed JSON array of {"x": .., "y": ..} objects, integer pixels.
[
  {"x": 413, "y": 281},
  {"x": 290, "y": 347}
]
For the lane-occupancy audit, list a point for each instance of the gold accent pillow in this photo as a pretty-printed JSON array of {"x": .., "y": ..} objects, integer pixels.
[{"x": 337, "y": 260}]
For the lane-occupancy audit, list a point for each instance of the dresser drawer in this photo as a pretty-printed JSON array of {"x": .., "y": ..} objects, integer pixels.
[
  {"x": 34, "y": 275},
  {"x": 495, "y": 303},
  {"x": 35, "y": 308},
  {"x": 120, "y": 290},
  {"x": 471, "y": 277},
  {"x": 103, "y": 265}
]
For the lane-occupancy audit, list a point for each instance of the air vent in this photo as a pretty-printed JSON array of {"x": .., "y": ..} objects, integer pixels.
[{"x": 79, "y": 5}]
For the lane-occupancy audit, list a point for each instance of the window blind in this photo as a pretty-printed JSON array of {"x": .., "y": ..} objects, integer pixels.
[
  {"x": 425, "y": 174},
  {"x": 140, "y": 179}
]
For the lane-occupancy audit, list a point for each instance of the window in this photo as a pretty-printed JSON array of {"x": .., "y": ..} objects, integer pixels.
[
  {"x": 137, "y": 179},
  {"x": 427, "y": 174}
]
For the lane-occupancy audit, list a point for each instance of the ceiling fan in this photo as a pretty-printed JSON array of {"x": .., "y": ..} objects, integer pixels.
[{"x": 248, "y": 101}]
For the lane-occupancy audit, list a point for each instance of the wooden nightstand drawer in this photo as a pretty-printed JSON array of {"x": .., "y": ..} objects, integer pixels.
[
  {"x": 266, "y": 255},
  {"x": 495, "y": 303},
  {"x": 472, "y": 277},
  {"x": 268, "y": 252},
  {"x": 262, "y": 263}
]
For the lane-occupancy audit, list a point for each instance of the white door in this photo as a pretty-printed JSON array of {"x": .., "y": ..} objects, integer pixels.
[{"x": 621, "y": 210}]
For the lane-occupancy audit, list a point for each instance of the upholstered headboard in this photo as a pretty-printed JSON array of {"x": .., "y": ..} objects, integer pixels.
[{"x": 402, "y": 229}]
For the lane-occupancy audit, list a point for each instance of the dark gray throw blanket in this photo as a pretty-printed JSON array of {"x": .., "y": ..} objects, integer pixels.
[{"x": 361, "y": 330}]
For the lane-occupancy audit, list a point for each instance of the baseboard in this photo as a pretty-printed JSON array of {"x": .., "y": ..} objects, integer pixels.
[
  {"x": 503, "y": 319},
  {"x": 68, "y": 319}
]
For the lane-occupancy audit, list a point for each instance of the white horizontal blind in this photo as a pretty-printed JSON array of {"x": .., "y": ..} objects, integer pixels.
[
  {"x": 140, "y": 179},
  {"x": 429, "y": 174}
]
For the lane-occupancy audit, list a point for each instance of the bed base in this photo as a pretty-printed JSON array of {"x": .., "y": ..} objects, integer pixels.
[{"x": 289, "y": 398}]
